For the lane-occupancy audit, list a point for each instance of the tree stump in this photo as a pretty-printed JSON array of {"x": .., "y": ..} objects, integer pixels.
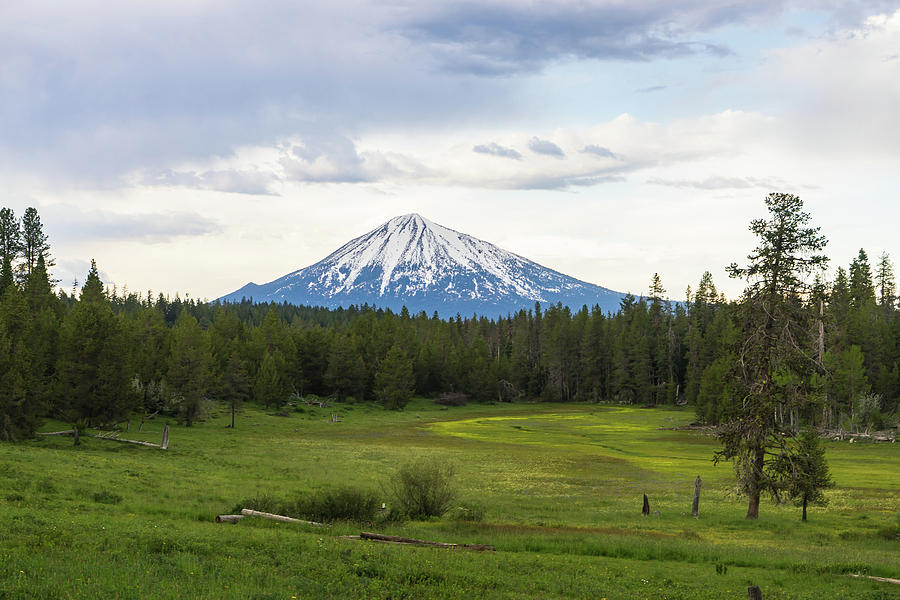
[
  {"x": 165, "y": 438},
  {"x": 695, "y": 507},
  {"x": 646, "y": 510},
  {"x": 754, "y": 593}
]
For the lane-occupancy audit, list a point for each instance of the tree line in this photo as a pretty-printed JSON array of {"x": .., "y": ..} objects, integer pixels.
[{"x": 93, "y": 355}]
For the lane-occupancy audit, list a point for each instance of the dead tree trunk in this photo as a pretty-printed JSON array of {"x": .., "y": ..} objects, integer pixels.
[
  {"x": 229, "y": 518},
  {"x": 77, "y": 441},
  {"x": 165, "y": 438},
  {"x": 695, "y": 507},
  {"x": 255, "y": 513},
  {"x": 646, "y": 509}
]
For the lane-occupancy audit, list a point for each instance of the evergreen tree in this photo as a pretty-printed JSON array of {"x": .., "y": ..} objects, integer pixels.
[
  {"x": 19, "y": 406},
  {"x": 775, "y": 364},
  {"x": 93, "y": 357},
  {"x": 839, "y": 311},
  {"x": 269, "y": 389},
  {"x": 188, "y": 368},
  {"x": 806, "y": 471},
  {"x": 848, "y": 380},
  {"x": 885, "y": 282},
  {"x": 394, "y": 381},
  {"x": 862, "y": 290},
  {"x": 43, "y": 332},
  {"x": 10, "y": 238},
  {"x": 346, "y": 373},
  {"x": 702, "y": 336},
  {"x": 235, "y": 385},
  {"x": 273, "y": 339},
  {"x": 6, "y": 274},
  {"x": 34, "y": 243},
  {"x": 150, "y": 344}
]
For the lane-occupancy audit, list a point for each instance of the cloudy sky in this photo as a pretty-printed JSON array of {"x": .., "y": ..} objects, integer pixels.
[{"x": 195, "y": 146}]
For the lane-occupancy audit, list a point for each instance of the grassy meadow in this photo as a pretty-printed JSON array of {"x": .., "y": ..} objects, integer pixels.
[{"x": 555, "y": 488}]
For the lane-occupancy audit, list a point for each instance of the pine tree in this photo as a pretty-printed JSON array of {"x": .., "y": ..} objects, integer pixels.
[
  {"x": 6, "y": 274},
  {"x": 269, "y": 389},
  {"x": 848, "y": 380},
  {"x": 10, "y": 237},
  {"x": 273, "y": 339},
  {"x": 862, "y": 290},
  {"x": 806, "y": 471},
  {"x": 34, "y": 243},
  {"x": 775, "y": 364},
  {"x": 150, "y": 343},
  {"x": 346, "y": 373},
  {"x": 93, "y": 379},
  {"x": 19, "y": 405},
  {"x": 394, "y": 381},
  {"x": 885, "y": 282},
  {"x": 188, "y": 367},
  {"x": 235, "y": 385},
  {"x": 43, "y": 332}
]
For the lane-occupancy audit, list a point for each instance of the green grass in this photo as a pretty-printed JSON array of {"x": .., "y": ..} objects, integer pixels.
[{"x": 558, "y": 489}]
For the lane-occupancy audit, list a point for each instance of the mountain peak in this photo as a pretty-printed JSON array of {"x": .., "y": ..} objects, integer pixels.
[{"x": 412, "y": 261}]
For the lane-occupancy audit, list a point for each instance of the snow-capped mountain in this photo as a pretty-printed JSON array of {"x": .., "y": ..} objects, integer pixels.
[{"x": 415, "y": 262}]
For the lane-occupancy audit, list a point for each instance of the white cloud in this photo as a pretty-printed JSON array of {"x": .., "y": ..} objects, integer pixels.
[{"x": 844, "y": 92}]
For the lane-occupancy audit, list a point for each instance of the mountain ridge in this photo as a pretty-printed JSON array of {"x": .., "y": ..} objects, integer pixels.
[{"x": 412, "y": 261}]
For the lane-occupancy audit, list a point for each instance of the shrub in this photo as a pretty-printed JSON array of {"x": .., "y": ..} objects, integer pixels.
[
  {"x": 423, "y": 488},
  {"x": 342, "y": 504},
  {"x": 346, "y": 503}
]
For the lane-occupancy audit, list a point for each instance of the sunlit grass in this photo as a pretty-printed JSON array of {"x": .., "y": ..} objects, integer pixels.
[{"x": 560, "y": 488}]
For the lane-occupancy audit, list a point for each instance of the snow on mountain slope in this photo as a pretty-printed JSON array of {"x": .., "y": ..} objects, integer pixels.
[{"x": 415, "y": 262}]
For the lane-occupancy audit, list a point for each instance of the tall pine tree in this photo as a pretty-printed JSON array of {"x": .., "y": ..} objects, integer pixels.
[
  {"x": 94, "y": 386},
  {"x": 775, "y": 355}
]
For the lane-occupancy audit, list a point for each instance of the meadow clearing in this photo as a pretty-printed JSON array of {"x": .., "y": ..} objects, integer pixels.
[{"x": 556, "y": 488}]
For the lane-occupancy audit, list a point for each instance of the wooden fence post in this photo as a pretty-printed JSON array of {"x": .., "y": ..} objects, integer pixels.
[{"x": 695, "y": 507}]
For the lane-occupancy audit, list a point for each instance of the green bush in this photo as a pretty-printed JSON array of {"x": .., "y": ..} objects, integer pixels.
[
  {"x": 341, "y": 504},
  {"x": 423, "y": 488}
]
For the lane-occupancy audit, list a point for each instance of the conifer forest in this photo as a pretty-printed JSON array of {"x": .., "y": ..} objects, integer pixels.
[{"x": 93, "y": 355}]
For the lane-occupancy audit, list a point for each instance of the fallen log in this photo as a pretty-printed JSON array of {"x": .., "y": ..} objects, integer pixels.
[
  {"x": 873, "y": 578},
  {"x": 247, "y": 512},
  {"x": 394, "y": 539},
  {"x": 229, "y": 518},
  {"x": 118, "y": 439},
  {"x": 66, "y": 432}
]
